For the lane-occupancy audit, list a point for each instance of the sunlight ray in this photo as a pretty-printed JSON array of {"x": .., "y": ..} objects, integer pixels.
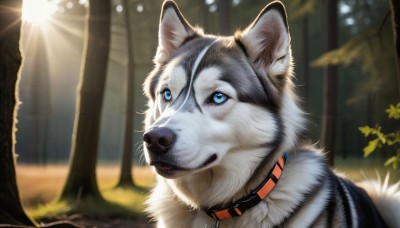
[{"x": 8, "y": 27}]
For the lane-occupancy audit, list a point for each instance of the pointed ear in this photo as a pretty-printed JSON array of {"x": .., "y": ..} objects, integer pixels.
[
  {"x": 267, "y": 43},
  {"x": 173, "y": 31}
]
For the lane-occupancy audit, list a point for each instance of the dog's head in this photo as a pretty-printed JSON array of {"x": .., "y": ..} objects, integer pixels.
[{"x": 212, "y": 97}]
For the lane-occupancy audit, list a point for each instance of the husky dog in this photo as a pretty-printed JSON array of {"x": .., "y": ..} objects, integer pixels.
[{"x": 222, "y": 132}]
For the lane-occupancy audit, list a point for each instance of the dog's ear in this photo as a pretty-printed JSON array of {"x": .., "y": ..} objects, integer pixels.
[
  {"x": 173, "y": 31},
  {"x": 267, "y": 44}
]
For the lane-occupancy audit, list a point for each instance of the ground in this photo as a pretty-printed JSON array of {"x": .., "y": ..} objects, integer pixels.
[{"x": 39, "y": 186}]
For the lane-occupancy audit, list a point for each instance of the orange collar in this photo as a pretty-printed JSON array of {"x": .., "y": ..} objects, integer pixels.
[{"x": 257, "y": 195}]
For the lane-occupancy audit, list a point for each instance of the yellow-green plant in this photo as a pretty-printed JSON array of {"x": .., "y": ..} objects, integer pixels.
[{"x": 380, "y": 138}]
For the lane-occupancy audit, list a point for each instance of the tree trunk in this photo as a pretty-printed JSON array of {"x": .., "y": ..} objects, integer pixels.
[
  {"x": 328, "y": 129},
  {"x": 81, "y": 181},
  {"x": 125, "y": 179},
  {"x": 395, "y": 12},
  {"x": 306, "y": 59},
  {"x": 224, "y": 24},
  {"x": 11, "y": 211}
]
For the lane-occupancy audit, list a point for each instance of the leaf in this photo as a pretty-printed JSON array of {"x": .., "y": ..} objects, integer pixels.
[
  {"x": 381, "y": 136},
  {"x": 396, "y": 138},
  {"x": 300, "y": 8},
  {"x": 371, "y": 147},
  {"x": 365, "y": 130},
  {"x": 393, "y": 138},
  {"x": 355, "y": 49},
  {"x": 394, "y": 111},
  {"x": 391, "y": 160}
]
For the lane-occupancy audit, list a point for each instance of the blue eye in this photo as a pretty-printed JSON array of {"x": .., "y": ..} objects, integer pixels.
[
  {"x": 167, "y": 95},
  {"x": 218, "y": 98}
]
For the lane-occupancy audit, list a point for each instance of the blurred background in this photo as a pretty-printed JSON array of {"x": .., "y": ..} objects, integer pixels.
[
  {"x": 345, "y": 76},
  {"x": 52, "y": 45}
]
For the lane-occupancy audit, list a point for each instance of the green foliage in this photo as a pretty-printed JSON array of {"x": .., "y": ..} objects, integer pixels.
[
  {"x": 367, "y": 47},
  {"x": 300, "y": 8},
  {"x": 391, "y": 139},
  {"x": 394, "y": 111},
  {"x": 370, "y": 49}
]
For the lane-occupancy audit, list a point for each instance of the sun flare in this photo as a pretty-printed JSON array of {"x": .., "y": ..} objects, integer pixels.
[{"x": 38, "y": 12}]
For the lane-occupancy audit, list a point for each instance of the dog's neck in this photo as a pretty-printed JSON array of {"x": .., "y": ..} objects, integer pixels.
[{"x": 226, "y": 183}]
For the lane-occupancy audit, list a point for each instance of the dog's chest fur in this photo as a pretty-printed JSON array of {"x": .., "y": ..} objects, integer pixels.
[{"x": 298, "y": 181}]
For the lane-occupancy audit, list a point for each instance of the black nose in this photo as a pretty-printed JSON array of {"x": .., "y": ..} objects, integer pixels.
[{"x": 159, "y": 140}]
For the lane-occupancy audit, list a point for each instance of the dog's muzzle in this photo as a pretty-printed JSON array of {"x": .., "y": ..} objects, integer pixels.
[{"x": 159, "y": 140}]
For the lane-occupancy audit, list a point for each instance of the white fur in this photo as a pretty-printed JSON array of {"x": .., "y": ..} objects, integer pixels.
[{"x": 386, "y": 198}]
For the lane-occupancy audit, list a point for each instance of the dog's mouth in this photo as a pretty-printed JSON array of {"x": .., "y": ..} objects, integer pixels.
[
  {"x": 165, "y": 166},
  {"x": 167, "y": 169}
]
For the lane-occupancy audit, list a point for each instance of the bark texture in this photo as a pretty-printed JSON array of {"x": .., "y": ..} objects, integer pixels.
[
  {"x": 11, "y": 211},
  {"x": 328, "y": 128}
]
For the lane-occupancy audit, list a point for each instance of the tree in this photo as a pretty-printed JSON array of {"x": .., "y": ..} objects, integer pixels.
[
  {"x": 224, "y": 25},
  {"x": 368, "y": 51},
  {"x": 125, "y": 178},
  {"x": 81, "y": 181},
  {"x": 370, "y": 48},
  {"x": 395, "y": 11},
  {"x": 11, "y": 211},
  {"x": 328, "y": 128}
]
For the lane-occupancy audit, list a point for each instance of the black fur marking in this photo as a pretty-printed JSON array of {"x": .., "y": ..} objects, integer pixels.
[
  {"x": 189, "y": 39},
  {"x": 332, "y": 204},
  {"x": 240, "y": 44},
  {"x": 367, "y": 214},
  {"x": 345, "y": 203},
  {"x": 254, "y": 95}
]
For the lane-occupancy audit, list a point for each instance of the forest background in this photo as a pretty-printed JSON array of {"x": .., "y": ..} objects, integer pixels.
[{"x": 345, "y": 67}]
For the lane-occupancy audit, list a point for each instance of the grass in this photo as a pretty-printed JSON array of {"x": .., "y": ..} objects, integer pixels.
[{"x": 39, "y": 186}]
